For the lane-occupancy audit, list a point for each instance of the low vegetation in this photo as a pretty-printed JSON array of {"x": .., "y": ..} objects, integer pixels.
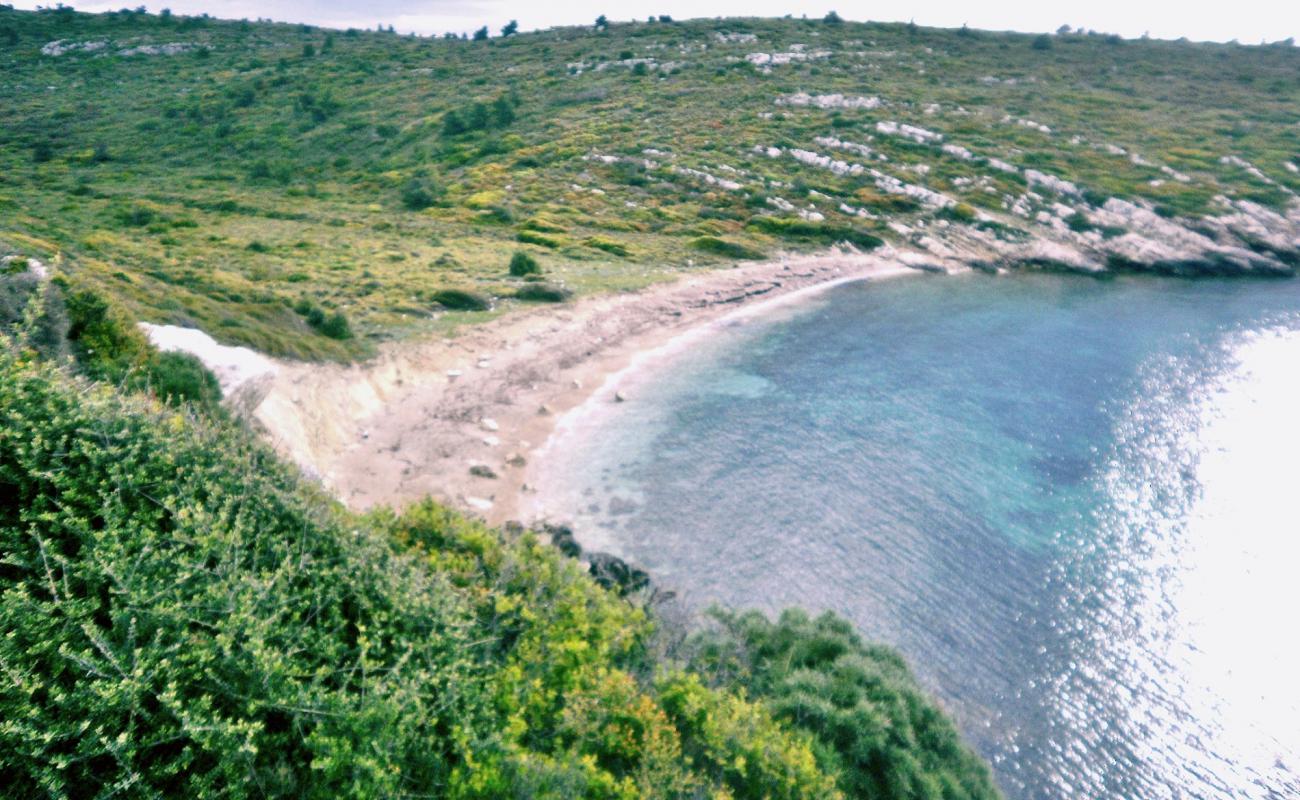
[
  {"x": 185, "y": 617},
  {"x": 204, "y": 172}
]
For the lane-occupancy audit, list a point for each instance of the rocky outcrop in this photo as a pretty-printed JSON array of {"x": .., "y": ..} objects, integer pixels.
[{"x": 615, "y": 574}]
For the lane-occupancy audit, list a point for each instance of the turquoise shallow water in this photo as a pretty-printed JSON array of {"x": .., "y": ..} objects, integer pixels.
[{"x": 1074, "y": 505}]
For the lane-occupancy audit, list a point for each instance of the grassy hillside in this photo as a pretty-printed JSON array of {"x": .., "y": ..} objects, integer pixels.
[
  {"x": 183, "y": 617},
  {"x": 310, "y": 192}
]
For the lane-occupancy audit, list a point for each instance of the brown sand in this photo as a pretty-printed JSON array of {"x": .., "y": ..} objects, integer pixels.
[{"x": 414, "y": 420}]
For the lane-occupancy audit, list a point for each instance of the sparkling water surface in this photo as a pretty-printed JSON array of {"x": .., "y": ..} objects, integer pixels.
[{"x": 1074, "y": 505}]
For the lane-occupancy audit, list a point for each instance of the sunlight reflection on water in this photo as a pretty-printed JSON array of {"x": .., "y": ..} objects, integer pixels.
[{"x": 1073, "y": 506}]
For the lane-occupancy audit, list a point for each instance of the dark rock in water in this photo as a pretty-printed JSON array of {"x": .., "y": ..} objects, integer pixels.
[
  {"x": 621, "y": 505},
  {"x": 616, "y": 574},
  {"x": 562, "y": 539}
]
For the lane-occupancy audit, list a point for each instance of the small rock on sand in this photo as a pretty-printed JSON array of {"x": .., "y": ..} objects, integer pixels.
[
  {"x": 489, "y": 424},
  {"x": 453, "y": 374},
  {"x": 478, "y": 503},
  {"x": 577, "y": 384},
  {"x": 544, "y": 410},
  {"x": 618, "y": 397},
  {"x": 491, "y": 441},
  {"x": 516, "y": 460},
  {"x": 482, "y": 471}
]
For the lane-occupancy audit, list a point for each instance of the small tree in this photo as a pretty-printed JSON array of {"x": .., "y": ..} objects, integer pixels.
[
  {"x": 510, "y": 29},
  {"x": 453, "y": 124},
  {"x": 481, "y": 34},
  {"x": 1042, "y": 42},
  {"x": 503, "y": 113},
  {"x": 833, "y": 19},
  {"x": 418, "y": 194},
  {"x": 601, "y": 23},
  {"x": 522, "y": 264}
]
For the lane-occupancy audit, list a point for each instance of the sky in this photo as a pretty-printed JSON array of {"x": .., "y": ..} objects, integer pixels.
[{"x": 1249, "y": 21}]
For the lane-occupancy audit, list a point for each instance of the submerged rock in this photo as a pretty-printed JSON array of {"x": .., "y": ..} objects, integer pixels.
[{"x": 616, "y": 574}]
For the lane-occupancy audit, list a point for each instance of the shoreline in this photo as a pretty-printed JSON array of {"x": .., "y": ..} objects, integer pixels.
[
  {"x": 533, "y": 505},
  {"x": 464, "y": 419}
]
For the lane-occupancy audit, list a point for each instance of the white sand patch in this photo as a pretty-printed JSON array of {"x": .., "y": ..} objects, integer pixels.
[
  {"x": 34, "y": 266},
  {"x": 233, "y": 366},
  {"x": 796, "y": 53},
  {"x": 1029, "y": 123},
  {"x": 851, "y": 147},
  {"x": 712, "y": 180},
  {"x": 168, "y": 49},
  {"x": 60, "y": 47},
  {"x": 957, "y": 151},
  {"x": 1058, "y": 185},
  {"x": 916, "y": 134},
  {"x": 829, "y": 101},
  {"x": 825, "y": 162},
  {"x": 1253, "y": 171},
  {"x": 892, "y": 185}
]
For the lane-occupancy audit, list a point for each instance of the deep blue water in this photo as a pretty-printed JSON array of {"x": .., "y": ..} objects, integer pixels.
[{"x": 1074, "y": 505}]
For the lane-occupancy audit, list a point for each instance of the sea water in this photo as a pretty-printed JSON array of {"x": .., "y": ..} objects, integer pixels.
[{"x": 1072, "y": 504}]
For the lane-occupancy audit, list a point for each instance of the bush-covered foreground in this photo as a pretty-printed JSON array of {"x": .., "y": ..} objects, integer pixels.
[{"x": 183, "y": 616}]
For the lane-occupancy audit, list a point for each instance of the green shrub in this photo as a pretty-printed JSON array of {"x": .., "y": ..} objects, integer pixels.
[
  {"x": 872, "y": 724},
  {"x": 419, "y": 194},
  {"x": 722, "y": 247},
  {"x": 461, "y": 300},
  {"x": 543, "y": 293},
  {"x": 522, "y": 263},
  {"x": 211, "y": 629},
  {"x": 607, "y": 245},
  {"x": 961, "y": 212},
  {"x": 182, "y": 378},
  {"x": 532, "y": 237},
  {"x": 32, "y": 311},
  {"x": 106, "y": 345},
  {"x": 826, "y": 233},
  {"x": 42, "y": 152},
  {"x": 335, "y": 326},
  {"x": 184, "y": 617}
]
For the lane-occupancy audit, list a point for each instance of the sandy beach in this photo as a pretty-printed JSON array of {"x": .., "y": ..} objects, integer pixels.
[{"x": 460, "y": 419}]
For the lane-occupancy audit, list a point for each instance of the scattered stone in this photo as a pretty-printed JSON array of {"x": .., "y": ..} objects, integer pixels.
[
  {"x": 478, "y": 503},
  {"x": 516, "y": 460},
  {"x": 453, "y": 374},
  {"x": 482, "y": 471},
  {"x": 489, "y": 424},
  {"x": 492, "y": 441},
  {"x": 619, "y": 398},
  {"x": 544, "y": 410},
  {"x": 563, "y": 540}
]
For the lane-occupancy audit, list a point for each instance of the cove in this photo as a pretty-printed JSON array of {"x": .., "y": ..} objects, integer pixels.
[{"x": 1070, "y": 503}]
